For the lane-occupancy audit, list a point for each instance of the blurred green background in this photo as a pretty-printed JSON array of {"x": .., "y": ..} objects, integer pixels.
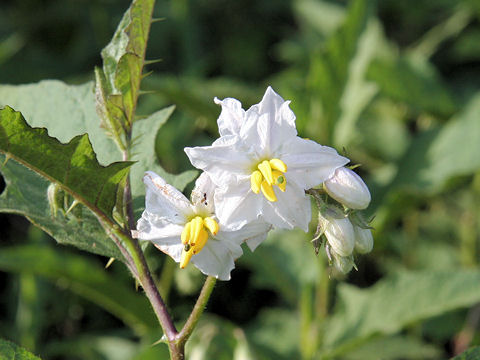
[{"x": 394, "y": 85}]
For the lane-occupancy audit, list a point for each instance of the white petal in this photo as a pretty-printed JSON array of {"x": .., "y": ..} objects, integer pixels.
[
  {"x": 231, "y": 118},
  {"x": 173, "y": 249},
  {"x": 223, "y": 162},
  {"x": 253, "y": 233},
  {"x": 164, "y": 200},
  {"x": 203, "y": 194},
  {"x": 269, "y": 124},
  {"x": 309, "y": 164},
  {"x": 153, "y": 227},
  {"x": 348, "y": 188},
  {"x": 272, "y": 104},
  {"x": 237, "y": 205},
  {"x": 217, "y": 258},
  {"x": 292, "y": 209}
]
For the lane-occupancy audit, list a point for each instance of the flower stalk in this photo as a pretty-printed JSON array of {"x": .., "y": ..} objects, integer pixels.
[{"x": 197, "y": 311}]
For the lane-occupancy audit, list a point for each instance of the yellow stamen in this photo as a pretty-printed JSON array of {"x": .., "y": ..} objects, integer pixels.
[
  {"x": 270, "y": 173},
  {"x": 195, "y": 236},
  {"x": 266, "y": 171},
  {"x": 255, "y": 181},
  {"x": 279, "y": 165},
  {"x": 201, "y": 241},
  {"x": 185, "y": 259},
  {"x": 280, "y": 180},
  {"x": 268, "y": 192},
  {"x": 211, "y": 225},
  {"x": 197, "y": 226},
  {"x": 186, "y": 233}
]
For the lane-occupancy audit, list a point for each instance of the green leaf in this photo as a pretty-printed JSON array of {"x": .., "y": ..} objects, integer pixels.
[
  {"x": 362, "y": 313},
  {"x": 471, "y": 354},
  {"x": 284, "y": 262},
  {"x": 330, "y": 68},
  {"x": 276, "y": 334},
  {"x": 84, "y": 277},
  {"x": 394, "y": 347},
  {"x": 217, "y": 338},
  {"x": 437, "y": 155},
  {"x": 358, "y": 92},
  {"x": 73, "y": 166},
  {"x": 10, "y": 351},
  {"x": 77, "y": 104},
  {"x": 144, "y": 135},
  {"x": 414, "y": 82},
  {"x": 26, "y": 194},
  {"x": 123, "y": 60},
  {"x": 73, "y": 114}
]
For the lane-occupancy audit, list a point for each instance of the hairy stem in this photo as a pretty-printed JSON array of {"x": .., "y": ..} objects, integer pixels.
[{"x": 197, "y": 311}]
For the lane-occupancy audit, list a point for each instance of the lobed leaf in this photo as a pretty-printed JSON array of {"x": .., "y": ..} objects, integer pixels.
[
  {"x": 26, "y": 194},
  {"x": 118, "y": 83},
  {"x": 65, "y": 110},
  {"x": 73, "y": 166}
]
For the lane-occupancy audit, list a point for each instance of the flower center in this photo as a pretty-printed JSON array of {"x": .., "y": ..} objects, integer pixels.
[
  {"x": 195, "y": 236},
  {"x": 269, "y": 173}
]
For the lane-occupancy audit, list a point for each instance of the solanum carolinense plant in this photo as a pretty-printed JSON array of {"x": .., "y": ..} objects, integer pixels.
[
  {"x": 277, "y": 187},
  {"x": 257, "y": 176}
]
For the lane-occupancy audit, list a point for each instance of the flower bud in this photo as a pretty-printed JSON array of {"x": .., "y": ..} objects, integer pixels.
[
  {"x": 363, "y": 240},
  {"x": 348, "y": 188},
  {"x": 55, "y": 198},
  {"x": 339, "y": 233},
  {"x": 343, "y": 264}
]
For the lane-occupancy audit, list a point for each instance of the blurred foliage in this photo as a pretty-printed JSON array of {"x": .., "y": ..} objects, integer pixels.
[{"x": 392, "y": 84}]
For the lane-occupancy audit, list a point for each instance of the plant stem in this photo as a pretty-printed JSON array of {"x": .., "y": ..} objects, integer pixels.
[{"x": 197, "y": 311}]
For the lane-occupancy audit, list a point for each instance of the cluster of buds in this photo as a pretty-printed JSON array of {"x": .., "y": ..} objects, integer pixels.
[{"x": 341, "y": 226}]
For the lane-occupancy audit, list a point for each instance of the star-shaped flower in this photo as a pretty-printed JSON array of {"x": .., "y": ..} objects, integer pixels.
[
  {"x": 261, "y": 166},
  {"x": 190, "y": 231}
]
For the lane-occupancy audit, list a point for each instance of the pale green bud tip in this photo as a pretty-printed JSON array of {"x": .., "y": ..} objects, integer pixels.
[
  {"x": 53, "y": 196},
  {"x": 363, "y": 240},
  {"x": 348, "y": 188},
  {"x": 339, "y": 234},
  {"x": 343, "y": 264}
]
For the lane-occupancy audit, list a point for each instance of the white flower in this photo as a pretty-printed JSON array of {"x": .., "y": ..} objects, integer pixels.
[
  {"x": 348, "y": 188},
  {"x": 339, "y": 233},
  {"x": 261, "y": 166},
  {"x": 190, "y": 231},
  {"x": 363, "y": 240}
]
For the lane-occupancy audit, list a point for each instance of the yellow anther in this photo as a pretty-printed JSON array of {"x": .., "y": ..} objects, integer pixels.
[
  {"x": 211, "y": 225},
  {"x": 279, "y": 165},
  {"x": 201, "y": 241},
  {"x": 255, "y": 181},
  {"x": 195, "y": 236},
  {"x": 186, "y": 256},
  {"x": 197, "y": 226},
  {"x": 268, "y": 192},
  {"x": 266, "y": 171},
  {"x": 280, "y": 180},
  {"x": 186, "y": 233}
]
